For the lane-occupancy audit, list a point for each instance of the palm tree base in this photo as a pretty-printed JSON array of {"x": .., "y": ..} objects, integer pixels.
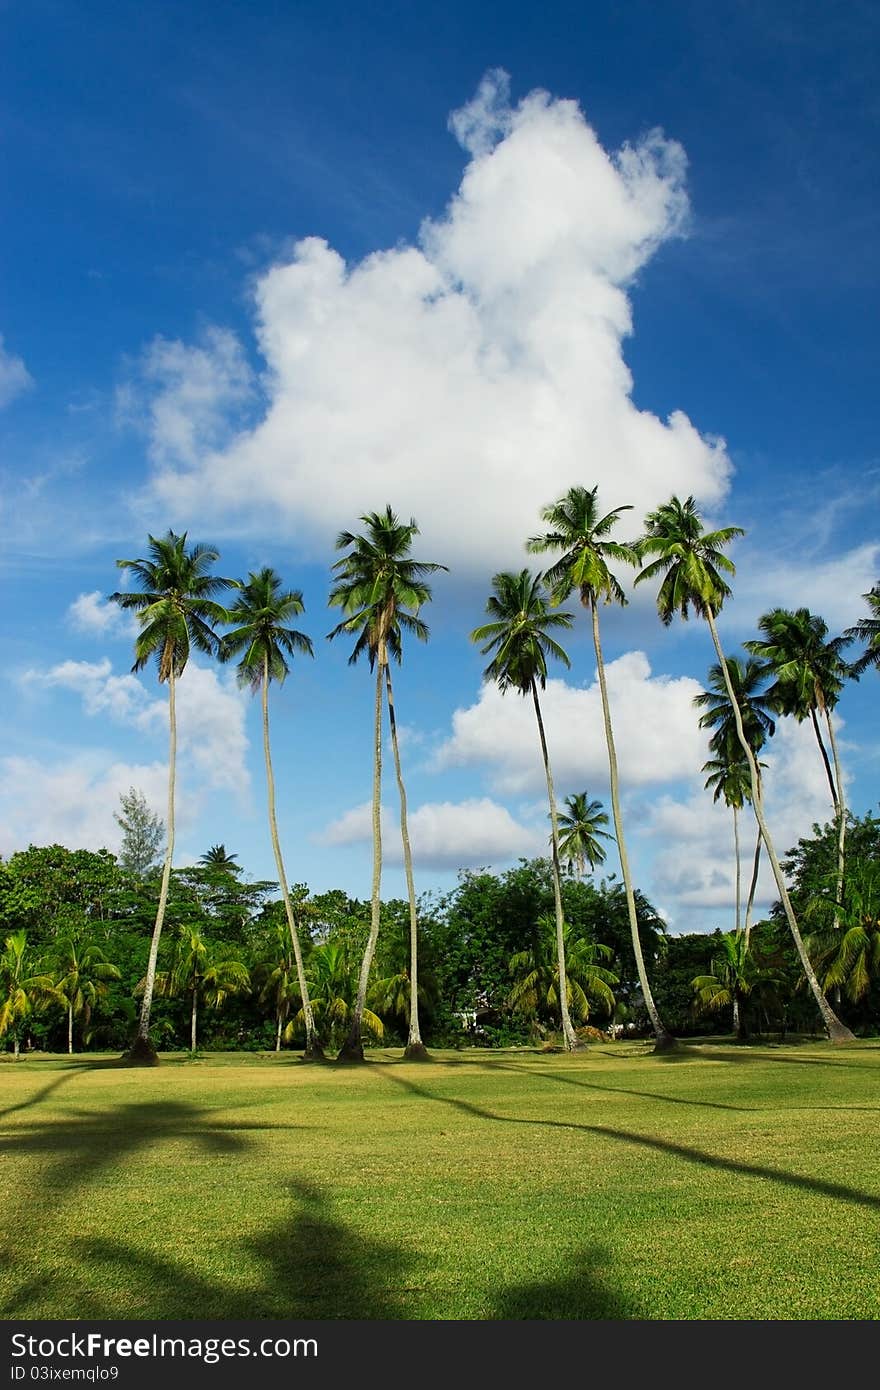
[
  {"x": 351, "y": 1052},
  {"x": 665, "y": 1042},
  {"x": 142, "y": 1053},
  {"x": 839, "y": 1033},
  {"x": 314, "y": 1053},
  {"x": 416, "y": 1052}
]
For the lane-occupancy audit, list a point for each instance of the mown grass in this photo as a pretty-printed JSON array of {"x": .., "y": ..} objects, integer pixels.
[{"x": 723, "y": 1182}]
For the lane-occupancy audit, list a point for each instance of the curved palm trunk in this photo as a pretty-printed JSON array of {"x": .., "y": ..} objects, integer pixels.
[
  {"x": 753, "y": 886},
  {"x": 313, "y": 1047},
  {"x": 841, "y": 821},
  {"x": 142, "y": 1050},
  {"x": 69, "y": 1029},
  {"x": 352, "y": 1049},
  {"x": 837, "y": 1031},
  {"x": 824, "y": 751},
  {"x": 415, "y": 1050},
  {"x": 737, "y": 915},
  {"x": 663, "y": 1038},
  {"x": 568, "y": 1032}
]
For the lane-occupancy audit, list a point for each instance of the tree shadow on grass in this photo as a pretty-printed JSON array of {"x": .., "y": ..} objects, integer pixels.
[
  {"x": 837, "y": 1191},
  {"x": 583, "y": 1295},
  {"x": 73, "y": 1067},
  {"x": 308, "y": 1266}
]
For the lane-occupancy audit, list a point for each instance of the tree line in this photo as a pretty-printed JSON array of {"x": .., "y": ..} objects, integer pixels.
[
  {"x": 381, "y": 590},
  {"x": 77, "y": 927}
]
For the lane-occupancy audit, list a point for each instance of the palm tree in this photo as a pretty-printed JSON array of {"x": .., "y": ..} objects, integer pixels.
[
  {"x": 580, "y": 827},
  {"x": 277, "y": 978},
  {"x": 380, "y": 589},
  {"x": 82, "y": 978},
  {"x": 176, "y": 610},
  {"x": 536, "y": 974},
  {"x": 582, "y": 534},
  {"x": 809, "y": 674},
  {"x": 334, "y": 997},
  {"x": 265, "y": 640},
  {"x": 735, "y": 974},
  {"x": 196, "y": 972},
  {"x": 693, "y": 565},
  {"x": 22, "y": 992},
  {"x": 729, "y": 772},
  {"x": 867, "y": 630},
  {"x": 520, "y": 638},
  {"x": 849, "y": 955},
  {"x": 218, "y": 857}
]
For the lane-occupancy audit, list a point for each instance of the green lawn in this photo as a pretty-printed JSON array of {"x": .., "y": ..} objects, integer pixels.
[{"x": 723, "y": 1182}]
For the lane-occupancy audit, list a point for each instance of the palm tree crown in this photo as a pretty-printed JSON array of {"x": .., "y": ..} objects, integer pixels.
[
  {"x": 263, "y": 638},
  {"x": 380, "y": 587},
  {"x": 690, "y": 559},
  {"x": 580, "y": 832},
  {"x": 175, "y": 606},
  {"x": 520, "y": 633},
  {"x": 867, "y": 630},
  {"x": 807, "y": 665},
  {"x": 580, "y": 533},
  {"x": 746, "y": 677}
]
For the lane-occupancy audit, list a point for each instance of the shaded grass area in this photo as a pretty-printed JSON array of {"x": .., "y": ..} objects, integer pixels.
[{"x": 729, "y": 1182}]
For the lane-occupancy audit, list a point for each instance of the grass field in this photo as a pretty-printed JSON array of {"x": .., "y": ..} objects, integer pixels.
[{"x": 724, "y": 1182}]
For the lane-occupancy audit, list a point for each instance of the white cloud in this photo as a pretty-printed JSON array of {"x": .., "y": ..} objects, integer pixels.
[
  {"x": 14, "y": 376},
  {"x": 483, "y": 364},
  {"x": 656, "y": 732},
  {"x": 72, "y": 801},
  {"x": 831, "y": 588},
  {"x": 92, "y": 614},
  {"x": 445, "y": 834},
  {"x": 693, "y": 870},
  {"x": 211, "y": 712},
  {"x": 186, "y": 395}
]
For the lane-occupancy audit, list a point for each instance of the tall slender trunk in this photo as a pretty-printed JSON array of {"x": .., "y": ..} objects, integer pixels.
[
  {"x": 278, "y": 1033},
  {"x": 824, "y": 751},
  {"x": 738, "y": 868},
  {"x": 837, "y": 1031},
  {"x": 193, "y": 1017},
  {"x": 313, "y": 1047},
  {"x": 16, "y": 1047},
  {"x": 663, "y": 1038},
  {"x": 69, "y": 1029},
  {"x": 841, "y": 821},
  {"x": 352, "y": 1049},
  {"x": 415, "y": 1049},
  {"x": 568, "y": 1032},
  {"x": 753, "y": 886},
  {"x": 142, "y": 1050}
]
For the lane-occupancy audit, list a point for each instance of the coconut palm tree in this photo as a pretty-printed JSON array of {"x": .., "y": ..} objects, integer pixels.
[
  {"x": 582, "y": 534},
  {"x": 218, "y": 857},
  {"x": 735, "y": 974},
  {"x": 333, "y": 994},
  {"x": 536, "y": 974},
  {"x": 177, "y": 610},
  {"x": 867, "y": 630},
  {"x": 276, "y": 976},
  {"x": 580, "y": 833},
  {"x": 197, "y": 972},
  {"x": 22, "y": 991},
  {"x": 519, "y": 636},
  {"x": 82, "y": 975},
  {"x": 809, "y": 672},
  {"x": 264, "y": 640},
  {"x": 380, "y": 589},
  {"x": 848, "y": 955},
  {"x": 729, "y": 772},
  {"x": 692, "y": 564}
]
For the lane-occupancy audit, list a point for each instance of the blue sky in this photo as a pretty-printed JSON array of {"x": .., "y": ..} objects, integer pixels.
[{"x": 259, "y": 277}]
